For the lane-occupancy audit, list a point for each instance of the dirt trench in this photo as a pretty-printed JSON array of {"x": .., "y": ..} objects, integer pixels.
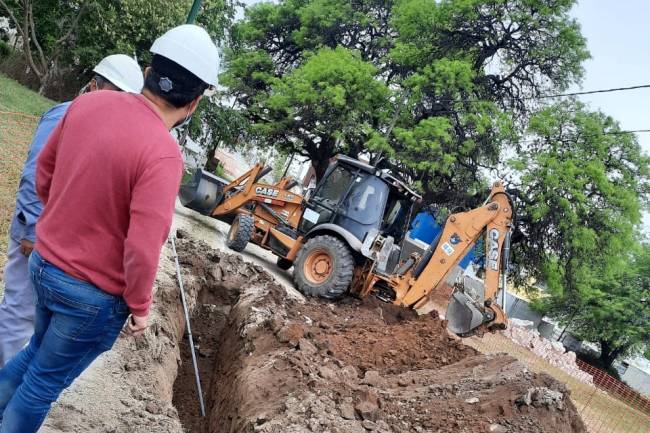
[{"x": 271, "y": 363}]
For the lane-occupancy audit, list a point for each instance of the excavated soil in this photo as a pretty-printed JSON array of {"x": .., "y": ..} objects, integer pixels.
[{"x": 270, "y": 363}]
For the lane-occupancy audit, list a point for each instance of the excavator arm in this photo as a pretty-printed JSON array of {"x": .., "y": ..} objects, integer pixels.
[
  {"x": 421, "y": 281},
  {"x": 460, "y": 234}
]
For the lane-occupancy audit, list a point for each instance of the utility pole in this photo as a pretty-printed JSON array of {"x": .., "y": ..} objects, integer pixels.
[{"x": 191, "y": 17}]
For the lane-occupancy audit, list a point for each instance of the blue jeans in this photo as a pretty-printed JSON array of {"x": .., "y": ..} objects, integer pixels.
[{"x": 75, "y": 322}]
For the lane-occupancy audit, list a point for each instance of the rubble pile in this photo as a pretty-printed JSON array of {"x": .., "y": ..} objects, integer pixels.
[{"x": 523, "y": 333}]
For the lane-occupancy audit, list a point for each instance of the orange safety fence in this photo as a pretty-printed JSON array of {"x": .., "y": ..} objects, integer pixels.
[
  {"x": 16, "y": 131},
  {"x": 605, "y": 404},
  {"x": 613, "y": 387}
]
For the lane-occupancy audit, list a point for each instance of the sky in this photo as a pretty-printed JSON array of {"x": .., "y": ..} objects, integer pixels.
[{"x": 618, "y": 38}]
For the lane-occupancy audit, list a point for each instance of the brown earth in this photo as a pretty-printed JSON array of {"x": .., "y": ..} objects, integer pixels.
[{"x": 271, "y": 363}]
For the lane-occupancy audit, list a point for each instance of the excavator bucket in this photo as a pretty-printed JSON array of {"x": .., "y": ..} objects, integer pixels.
[
  {"x": 203, "y": 192},
  {"x": 462, "y": 315}
]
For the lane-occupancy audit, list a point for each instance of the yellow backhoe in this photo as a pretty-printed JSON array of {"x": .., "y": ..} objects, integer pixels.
[{"x": 351, "y": 236}]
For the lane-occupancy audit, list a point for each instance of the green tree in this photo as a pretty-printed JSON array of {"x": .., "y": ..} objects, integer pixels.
[
  {"x": 614, "y": 310},
  {"x": 429, "y": 54},
  {"x": 68, "y": 38},
  {"x": 469, "y": 68},
  {"x": 329, "y": 104},
  {"x": 46, "y": 29},
  {"x": 130, "y": 26},
  {"x": 216, "y": 124},
  {"x": 582, "y": 186}
]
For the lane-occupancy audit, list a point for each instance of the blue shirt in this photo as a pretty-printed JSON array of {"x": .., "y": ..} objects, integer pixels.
[{"x": 28, "y": 205}]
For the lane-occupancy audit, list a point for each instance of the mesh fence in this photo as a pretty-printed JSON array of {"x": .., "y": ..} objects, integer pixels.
[
  {"x": 606, "y": 404},
  {"x": 16, "y": 131}
]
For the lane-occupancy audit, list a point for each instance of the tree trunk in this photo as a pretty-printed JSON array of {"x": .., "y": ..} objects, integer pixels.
[
  {"x": 608, "y": 354},
  {"x": 210, "y": 162},
  {"x": 44, "y": 81},
  {"x": 321, "y": 155},
  {"x": 320, "y": 167}
]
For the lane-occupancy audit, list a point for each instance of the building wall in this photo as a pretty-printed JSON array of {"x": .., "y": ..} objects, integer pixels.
[
  {"x": 520, "y": 309},
  {"x": 637, "y": 379}
]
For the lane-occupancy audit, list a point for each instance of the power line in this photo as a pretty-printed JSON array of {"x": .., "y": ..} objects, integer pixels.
[
  {"x": 590, "y": 92},
  {"x": 631, "y": 131},
  {"x": 551, "y": 96}
]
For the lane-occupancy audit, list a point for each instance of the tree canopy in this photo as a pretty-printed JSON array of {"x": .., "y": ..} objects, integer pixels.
[
  {"x": 68, "y": 38},
  {"x": 613, "y": 310},
  {"x": 582, "y": 186},
  {"x": 457, "y": 72}
]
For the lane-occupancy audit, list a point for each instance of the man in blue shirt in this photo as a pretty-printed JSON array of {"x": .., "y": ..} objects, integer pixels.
[{"x": 115, "y": 72}]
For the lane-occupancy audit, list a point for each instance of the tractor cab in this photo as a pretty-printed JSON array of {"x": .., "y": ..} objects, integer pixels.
[{"x": 354, "y": 199}]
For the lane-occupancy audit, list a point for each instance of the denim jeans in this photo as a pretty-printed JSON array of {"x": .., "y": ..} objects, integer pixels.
[{"x": 75, "y": 322}]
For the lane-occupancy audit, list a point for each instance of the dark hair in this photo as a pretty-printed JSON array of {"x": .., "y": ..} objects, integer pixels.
[
  {"x": 103, "y": 82},
  {"x": 172, "y": 82}
]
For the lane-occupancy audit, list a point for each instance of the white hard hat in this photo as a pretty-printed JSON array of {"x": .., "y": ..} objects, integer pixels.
[
  {"x": 190, "y": 46},
  {"x": 121, "y": 70}
]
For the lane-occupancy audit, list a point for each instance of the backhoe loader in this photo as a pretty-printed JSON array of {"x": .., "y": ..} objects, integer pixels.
[{"x": 351, "y": 236}]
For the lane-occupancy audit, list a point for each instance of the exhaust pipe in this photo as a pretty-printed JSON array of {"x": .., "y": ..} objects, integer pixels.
[{"x": 504, "y": 271}]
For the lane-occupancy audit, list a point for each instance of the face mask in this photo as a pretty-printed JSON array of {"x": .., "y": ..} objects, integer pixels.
[{"x": 185, "y": 122}]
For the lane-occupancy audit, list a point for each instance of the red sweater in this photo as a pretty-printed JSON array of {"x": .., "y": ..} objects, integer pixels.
[{"x": 108, "y": 177}]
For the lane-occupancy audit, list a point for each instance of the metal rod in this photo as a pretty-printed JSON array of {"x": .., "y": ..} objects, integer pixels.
[
  {"x": 286, "y": 169},
  {"x": 189, "y": 328},
  {"x": 504, "y": 271},
  {"x": 194, "y": 11}
]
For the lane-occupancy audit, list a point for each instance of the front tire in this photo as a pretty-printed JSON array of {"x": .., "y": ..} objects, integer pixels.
[
  {"x": 324, "y": 268},
  {"x": 240, "y": 232}
]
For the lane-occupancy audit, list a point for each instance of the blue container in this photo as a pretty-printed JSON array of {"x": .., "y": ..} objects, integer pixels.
[{"x": 425, "y": 228}]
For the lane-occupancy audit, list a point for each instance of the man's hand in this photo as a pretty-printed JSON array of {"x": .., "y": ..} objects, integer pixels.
[
  {"x": 136, "y": 325},
  {"x": 26, "y": 247}
]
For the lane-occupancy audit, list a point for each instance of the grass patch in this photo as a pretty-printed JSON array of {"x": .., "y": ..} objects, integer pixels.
[
  {"x": 15, "y": 135},
  {"x": 19, "y": 111},
  {"x": 15, "y": 97}
]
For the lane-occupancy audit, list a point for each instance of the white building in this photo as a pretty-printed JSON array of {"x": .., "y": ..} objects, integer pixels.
[{"x": 636, "y": 373}]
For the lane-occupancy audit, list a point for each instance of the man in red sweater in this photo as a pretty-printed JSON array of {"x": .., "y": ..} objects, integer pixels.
[{"x": 108, "y": 177}]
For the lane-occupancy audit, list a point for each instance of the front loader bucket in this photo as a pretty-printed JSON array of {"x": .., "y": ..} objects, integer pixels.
[
  {"x": 203, "y": 192},
  {"x": 462, "y": 316}
]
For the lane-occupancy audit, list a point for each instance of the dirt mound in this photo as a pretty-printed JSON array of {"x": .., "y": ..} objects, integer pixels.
[
  {"x": 373, "y": 335},
  {"x": 273, "y": 364}
]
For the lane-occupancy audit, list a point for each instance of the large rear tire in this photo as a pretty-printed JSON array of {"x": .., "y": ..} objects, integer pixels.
[
  {"x": 240, "y": 232},
  {"x": 324, "y": 267}
]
